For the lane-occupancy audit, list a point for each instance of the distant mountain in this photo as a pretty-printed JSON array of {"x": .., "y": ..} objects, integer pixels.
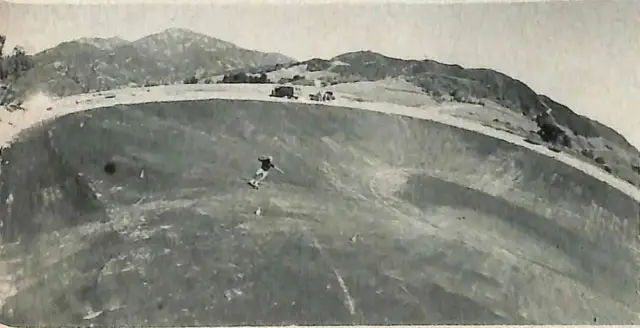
[
  {"x": 187, "y": 51},
  {"x": 167, "y": 57}
]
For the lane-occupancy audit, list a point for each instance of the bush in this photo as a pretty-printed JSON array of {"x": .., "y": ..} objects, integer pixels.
[
  {"x": 588, "y": 153},
  {"x": 12, "y": 68},
  {"x": 317, "y": 64},
  {"x": 458, "y": 95},
  {"x": 565, "y": 140},
  {"x": 550, "y": 132},
  {"x": 599, "y": 160},
  {"x": 16, "y": 64},
  {"x": 243, "y": 77},
  {"x": 191, "y": 80}
]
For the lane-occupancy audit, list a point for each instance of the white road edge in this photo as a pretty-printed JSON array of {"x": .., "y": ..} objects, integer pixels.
[{"x": 13, "y": 123}]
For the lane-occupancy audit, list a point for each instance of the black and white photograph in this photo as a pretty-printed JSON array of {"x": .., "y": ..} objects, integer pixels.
[{"x": 298, "y": 163}]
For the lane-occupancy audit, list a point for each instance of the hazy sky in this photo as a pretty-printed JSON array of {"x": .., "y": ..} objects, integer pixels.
[{"x": 585, "y": 54}]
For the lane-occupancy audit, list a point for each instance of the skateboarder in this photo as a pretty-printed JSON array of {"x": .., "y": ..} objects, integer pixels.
[{"x": 266, "y": 163}]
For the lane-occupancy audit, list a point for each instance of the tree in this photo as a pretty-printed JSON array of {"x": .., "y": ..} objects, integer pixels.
[
  {"x": 12, "y": 67},
  {"x": 19, "y": 62},
  {"x": 242, "y": 77},
  {"x": 16, "y": 64},
  {"x": 2, "y": 41},
  {"x": 3, "y": 70},
  {"x": 191, "y": 80},
  {"x": 263, "y": 78}
]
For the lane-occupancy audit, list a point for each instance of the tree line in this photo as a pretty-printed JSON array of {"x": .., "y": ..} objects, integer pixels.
[{"x": 12, "y": 67}]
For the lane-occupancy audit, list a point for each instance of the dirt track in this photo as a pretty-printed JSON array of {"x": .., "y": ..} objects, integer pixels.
[{"x": 380, "y": 218}]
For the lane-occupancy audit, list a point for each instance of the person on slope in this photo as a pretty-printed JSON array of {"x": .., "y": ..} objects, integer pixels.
[{"x": 266, "y": 163}]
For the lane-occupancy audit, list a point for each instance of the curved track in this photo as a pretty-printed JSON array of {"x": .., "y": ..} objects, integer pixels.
[{"x": 379, "y": 219}]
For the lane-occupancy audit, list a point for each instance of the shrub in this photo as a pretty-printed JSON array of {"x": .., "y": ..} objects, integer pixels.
[
  {"x": 458, "y": 95},
  {"x": 588, "y": 153},
  {"x": 243, "y": 77},
  {"x": 12, "y": 68},
  {"x": 565, "y": 140},
  {"x": 191, "y": 80},
  {"x": 554, "y": 134}
]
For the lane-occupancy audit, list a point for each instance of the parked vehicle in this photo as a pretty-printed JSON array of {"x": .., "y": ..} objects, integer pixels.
[
  {"x": 322, "y": 96},
  {"x": 284, "y": 91}
]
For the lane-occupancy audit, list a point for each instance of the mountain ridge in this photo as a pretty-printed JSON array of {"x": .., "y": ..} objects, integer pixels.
[
  {"x": 483, "y": 89},
  {"x": 167, "y": 57},
  {"x": 439, "y": 79}
]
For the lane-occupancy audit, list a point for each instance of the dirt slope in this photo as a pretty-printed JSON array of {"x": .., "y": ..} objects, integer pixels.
[{"x": 378, "y": 219}]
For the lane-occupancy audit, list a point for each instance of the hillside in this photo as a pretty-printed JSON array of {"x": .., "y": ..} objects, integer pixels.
[
  {"x": 183, "y": 56},
  {"x": 488, "y": 90},
  {"x": 444, "y": 80},
  {"x": 105, "y": 43},
  {"x": 171, "y": 56}
]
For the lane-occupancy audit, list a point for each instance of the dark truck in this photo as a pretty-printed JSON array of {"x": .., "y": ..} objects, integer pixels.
[{"x": 284, "y": 92}]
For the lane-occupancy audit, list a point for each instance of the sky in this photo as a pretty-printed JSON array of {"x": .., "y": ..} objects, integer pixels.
[{"x": 584, "y": 54}]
